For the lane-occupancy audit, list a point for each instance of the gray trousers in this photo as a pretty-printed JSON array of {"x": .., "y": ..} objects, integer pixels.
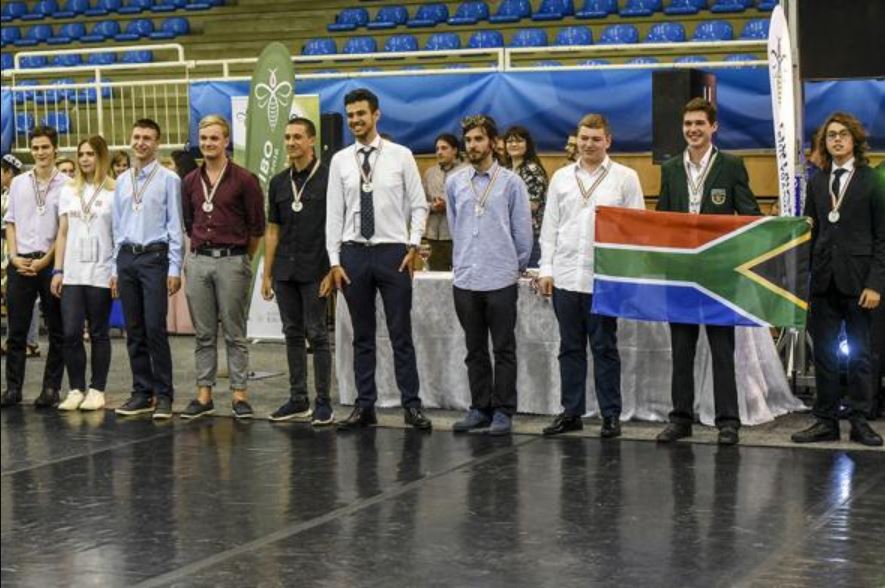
[{"x": 218, "y": 290}]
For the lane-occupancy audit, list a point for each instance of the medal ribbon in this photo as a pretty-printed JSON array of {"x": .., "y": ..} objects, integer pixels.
[
  {"x": 696, "y": 189},
  {"x": 843, "y": 187},
  {"x": 40, "y": 195},
  {"x": 138, "y": 194},
  {"x": 481, "y": 200},
  {"x": 86, "y": 207},
  {"x": 209, "y": 195},
  {"x": 587, "y": 194},
  {"x": 296, "y": 193},
  {"x": 367, "y": 178}
]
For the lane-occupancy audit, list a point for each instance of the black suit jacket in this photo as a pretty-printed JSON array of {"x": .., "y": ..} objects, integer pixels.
[
  {"x": 726, "y": 190},
  {"x": 852, "y": 251}
]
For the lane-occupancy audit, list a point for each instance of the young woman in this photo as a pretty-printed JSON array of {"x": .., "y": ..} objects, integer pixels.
[
  {"x": 523, "y": 159},
  {"x": 83, "y": 269},
  {"x": 120, "y": 163}
]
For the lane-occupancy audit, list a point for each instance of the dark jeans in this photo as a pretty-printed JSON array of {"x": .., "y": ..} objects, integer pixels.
[
  {"x": 141, "y": 284},
  {"x": 92, "y": 304},
  {"x": 535, "y": 256},
  {"x": 482, "y": 314},
  {"x": 372, "y": 270},
  {"x": 303, "y": 313},
  {"x": 21, "y": 293},
  {"x": 576, "y": 327},
  {"x": 684, "y": 340},
  {"x": 825, "y": 321}
]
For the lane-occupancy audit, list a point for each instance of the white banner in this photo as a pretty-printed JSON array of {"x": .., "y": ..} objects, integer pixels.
[
  {"x": 780, "y": 69},
  {"x": 264, "y": 315}
]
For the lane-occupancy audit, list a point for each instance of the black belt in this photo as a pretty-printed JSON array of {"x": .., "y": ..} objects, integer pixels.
[
  {"x": 217, "y": 252},
  {"x": 368, "y": 244},
  {"x": 139, "y": 249},
  {"x": 32, "y": 255}
]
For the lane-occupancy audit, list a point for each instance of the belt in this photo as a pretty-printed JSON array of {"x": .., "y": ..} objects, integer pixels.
[
  {"x": 368, "y": 244},
  {"x": 32, "y": 255},
  {"x": 217, "y": 252},
  {"x": 139, "y": 249}
]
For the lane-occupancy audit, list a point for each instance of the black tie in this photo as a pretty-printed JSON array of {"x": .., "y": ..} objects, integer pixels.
[
  {"x": 367, "y": 207},
  {"x": 837, "y": 179}
]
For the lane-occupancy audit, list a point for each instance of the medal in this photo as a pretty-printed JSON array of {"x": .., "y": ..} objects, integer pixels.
[
  {"x": 41, "y": 210},
  {"x": 86, "y": 205},
  {"x": 480, "y": 206},
  {"x": 367, "y": 187},
  {"x": 478, "y": 210},
  {"x": 209, "y": 195},
  {"x": 40, "y": 195},
  {"x": 833, "y": 217},
  {"x": 208, "y": 207},
  {"x": 136, "y": 207},
  {"x": 138, "y": 194},
  {"x": 587, "y": 193},
  {"x": 696, "y": 189},
  {"x": 297, "y": 207}
]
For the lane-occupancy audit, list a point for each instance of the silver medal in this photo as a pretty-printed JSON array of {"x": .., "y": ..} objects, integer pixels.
[
  {"x": 367, "y": 187},
  {"x": 479, "y": 210},
  {"x": 208, "y": 207},
  {"x": 297, "y": 206},
  {"x": 41, "y": 210},
  {"x": 136, "y": 206},
  {"x": 833, "y": 217}
]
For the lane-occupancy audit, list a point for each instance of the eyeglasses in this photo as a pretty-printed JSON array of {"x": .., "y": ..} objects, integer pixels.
[{"x": 833, "y": 135}]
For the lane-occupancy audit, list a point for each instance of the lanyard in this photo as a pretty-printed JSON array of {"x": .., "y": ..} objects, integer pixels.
[
  {"x": 40, "y": 195},
  {"x": 86, "y": 206},
  {"x": 297, "y": 193},
  {"x": 696, "y": 189},
  {"x": 587, "y": 194},
  {"x": 138, "y": 194},
  {"x": 480, "y": 206},
  {"x": 367, "y": 178},
  {"x": 209, "y": 195},
  {"x": 843, "y": 188}
]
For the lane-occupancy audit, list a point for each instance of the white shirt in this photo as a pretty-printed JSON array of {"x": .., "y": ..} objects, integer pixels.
[
  {"x": 569, "y": 228},
  {"x": 694, "y": 173},
  {"x": 848, "y": 166},
  {"x": 92, "y": 240},
  {"x": 400, "y": 205}
]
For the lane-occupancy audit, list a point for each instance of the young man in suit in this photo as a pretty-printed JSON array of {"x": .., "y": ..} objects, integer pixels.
[
  {"x": 704, "y": 180},
  {"x": 846, "y": 205}
]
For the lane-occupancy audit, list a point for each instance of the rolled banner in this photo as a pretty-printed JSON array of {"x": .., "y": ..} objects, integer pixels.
[{"x": 780, "y": 70}]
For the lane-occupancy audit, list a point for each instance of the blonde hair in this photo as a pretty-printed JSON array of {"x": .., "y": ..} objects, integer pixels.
[
  {"x": 102, "y": 172},
  {"x": 216, "y": 119}
]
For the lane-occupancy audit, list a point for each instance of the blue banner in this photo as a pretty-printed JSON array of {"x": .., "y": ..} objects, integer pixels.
[{"x": 6, "y": 121}]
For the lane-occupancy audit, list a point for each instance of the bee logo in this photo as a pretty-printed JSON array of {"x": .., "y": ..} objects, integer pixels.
[{"x": 271, "y": 95}]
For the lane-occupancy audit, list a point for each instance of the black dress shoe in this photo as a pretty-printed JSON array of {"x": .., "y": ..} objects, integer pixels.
[
  {"x": 728, "y": 436},
  {"x": 611, "y": 427},
  {"x": 863, "y": 433},
  {"x": 48, "y": 398},
  {"x": 416, "y": 418},
  {"x": 674, "y": 432},
  {"x": 359, "y": 418},
  {"x": 816, "y": 433},
  {"x": 564, "y": 423},
  {"x": 10, "y": 397}
]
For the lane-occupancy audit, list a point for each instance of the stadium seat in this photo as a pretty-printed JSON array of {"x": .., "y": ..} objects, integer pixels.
[
  {"x": 766, "y": 5},
  {"x": 42, "y": 9},
  {"x": 9, "y": 35},
  {"x": 470, "y": 13},
  {"x": 349, "y": 19},
  {"x": 741, "y": 57},
  {"x": 6, "y": 61},
  {"x": 574, "y": 36},
  {"x": 597, "y": 9},
  {"x": 33, "y": 62},
  {"x": 727, "y": 6},
  {"x": 618, "y": 34},
  {"x": 643, "y": 59},
  {"x": 67, "y": 60},
  {"x": 666, "y": 32},
  {"x": 691, "y": 59},
  {"x": 429, "y": 15},
  {"x": 71, "y": 8},
  {"x": 547, "y": 63},
  {"x": 135, "y": 30},
  {"x": 137, "y": 56},
  {"x": 323, "y": 46},
  {"x": 62, "y": 93},
  {"x": 485, "y": 40},
  {"x": 135, "y": 6},
  {"x": 103, "y": 7},
  {"x": 596, "y": 62},
  {"x": 683, "y": 7},
  {"x": 755, "y": 29},
  {"x": 168, "y": 5},
  {"x": 14, "y": 10},
  {"x": 24, "y": 123},
  {"x": 173, "y": 26},
  {"x": 554, "y": 10},
  {"x": 640, "y": 8},
  {"x": 60, "y": 121},
  {"x": 37, "y": 34},
  {"x": 529, "y": 38},
  {"x": 102, "y": 58},
  {"x": 68, "y": 33},
  {"x": 511, "y": 11},
  {"x": 443, "y": 42},
  {"x": 401, "y": 43},
  {"x": 22, "y": 95},
  {"x": 203, "y": 4},
  {"x": 713, "y": 30},
  {"x": 389, "y": 17},
  {"x": 90, "y": 96},
  {"x": 360, "y": 45},
  {"x": 105, "y": 29}
]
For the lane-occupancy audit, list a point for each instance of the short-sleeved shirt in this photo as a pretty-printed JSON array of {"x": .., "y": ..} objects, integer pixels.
[
  {"x": 89, "y": 247},
  {"x": 34, "y": 232}
]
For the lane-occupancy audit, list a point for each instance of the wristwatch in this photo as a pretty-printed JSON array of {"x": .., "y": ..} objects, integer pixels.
[{"x": 57, "y": 272}]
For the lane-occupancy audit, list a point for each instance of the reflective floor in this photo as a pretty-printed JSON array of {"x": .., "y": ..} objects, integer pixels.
[{"x": 89, "y": 500}]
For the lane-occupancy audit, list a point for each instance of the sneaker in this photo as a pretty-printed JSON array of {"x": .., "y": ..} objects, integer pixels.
[
  {"x": 475, "y": 419},
  {"x": 163, "y": 408},
  {"x": 323, "y": 416},
  {"x": 501, "y": 424},
  {"x": 94, "y": 400},
  {"x": 72, "y": 401},
  {"x": 137, "y": 404},
  {"x": 197, "y": 409},
  {"x": 297, "y": 411},
  {"x": 242, "y": 410}
]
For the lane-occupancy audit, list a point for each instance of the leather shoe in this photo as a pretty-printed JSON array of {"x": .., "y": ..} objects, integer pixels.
[
  {"x": 360, "y": 417},
  {"x": 48, "y": 398},
  {"x": 673, "y": 432},
  {"x": 415, "y": 417},
  {"x": 563, "y": 423},
  {"x": 863, "y": 433},
  {"x": 611, "y": 427},
  {"x": 10, "y": 397},
  {"x": 819, "y": 431},
  {"x": 728, "y": 436}
]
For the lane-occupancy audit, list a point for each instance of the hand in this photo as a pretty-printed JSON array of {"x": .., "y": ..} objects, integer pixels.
[
  {"x": 326, "y": 286},
  {"x": 545, "y": 286},
  {"x": 114, "y": 292},
  {"x": 869, "y": 299},
  {"x": 23, "y": 266},
  {"x": 438, "y": 205},
  {"x": 409, "y": 261},
  {"x": 56, "y": 285},
  {"x": 336, "y": 279},
  {"x": 173, "y": 285},
  {"x": 267, "y": 288}
]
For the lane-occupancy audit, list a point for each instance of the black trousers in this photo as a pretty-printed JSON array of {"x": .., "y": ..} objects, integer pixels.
[
  {"x": 92, "y": 304},
  {"x": 303, "y": 314},
  {"x": 375, "y": 270},
  {"x": 577, "y": 327},
  {"x": 21, "y": 293},
  {"x": 482, "y": 314},
  {"x": 141, "y": 284},
  {"x": 684, "y": 340},
  {"x": 828, "y": 310}
]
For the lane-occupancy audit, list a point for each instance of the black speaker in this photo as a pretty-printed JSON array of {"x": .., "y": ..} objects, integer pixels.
[
  {"x": 670, "y": 91},
  {"x": 840, "y": 40},
  {"x": 331, "y": 135}
]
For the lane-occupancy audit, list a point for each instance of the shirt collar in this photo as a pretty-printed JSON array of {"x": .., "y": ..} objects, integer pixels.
[
  {"x": 703, "y": 163},
  {"x": 376, "y": 143},
  {"x": 602, "y": 166},
  {"x": 489, "y": 172},
  {"x": 848, "y": 166},
  {"x": 309, "y": 168},
  {"x": 148, "y": 169}
]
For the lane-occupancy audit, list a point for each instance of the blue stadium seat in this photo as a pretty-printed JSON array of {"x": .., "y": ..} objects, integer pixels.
[
  {"x": 597, "y": 9},
  {"x": 71, "y": 8},
  {"x": 574, "y": 36},
  {"x": 429, "y": 15},
  {"x": 9, "y": 35},
  {"x": 529, "y": 38},
  {"x": 691, "y": 59},
  {"x": 401, "y": 43},
  {"x": 511, "y": 11},
  {"x": 62, "y": 93},
  {"x": 203, "y": 4},
  {"x": 643, "y": 59},
  {"x": 67, "y": 60},
  {"x": 103, "y": 7},
  {"x": 443, "y": 42},
  {"x": 102, "y": 58},
  {"x": 42, "y": 9},
  {"x": 554, "y": 10},
  {"x": 33, "y": 62},
  {"x": 325, "y": 46},
  {"x": 22, "y": 96},
  {"x": 389, "y": 17},
  {"x": 89, "y": 95},
  {"x": 766, "y": 5},
  {"x": 135, "y": 30},
  {"x": 485, "y": 40},
  {"x": 640, "y": 8},
  {"x": 713, "y": 30},
  {"x": 24, "y": 123},
  {"x": 14, "y": 10},
  {"x": 37, "y": 34},
  {"x": 137, "y": 56},
  {"x": 470, "y": 13},
  {"x": 173, "y": 26},
  {"x": 349, "y": 19},
  {"x": 666, "y": 32},
  {"x": 755, "y": 29},
  {"x": 135, "y": 6},
  {"x": 596, "y": 62},
  {"x": 360, "y": 45},
  {"x": 6, "y": 61},
  {"x": 727, "y": 6},
  {"x": 618, "y": 34},
  {"x": 742, "y": 57},
  {"x": 168, "y": 5},
  {"x": 105, "y": 29},
  {"x": 68, "y": 33},
  {"x": 60, "y": 121},
  {"x": 683, "y": 7}
]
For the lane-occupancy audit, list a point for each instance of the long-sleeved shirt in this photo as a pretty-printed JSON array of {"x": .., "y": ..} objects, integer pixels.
[
  {"x": 492, "y": 248},
  {"x": 34, "y": 232},
  {"x": 435, "y": 186}
]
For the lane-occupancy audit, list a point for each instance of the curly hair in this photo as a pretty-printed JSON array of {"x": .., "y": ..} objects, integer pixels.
[{"x": 858, "y": 135}]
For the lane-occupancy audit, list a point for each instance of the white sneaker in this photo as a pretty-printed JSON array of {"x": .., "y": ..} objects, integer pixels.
[
  {"x": 94, "y": 400},
  {"x": 72, "y": 401}
]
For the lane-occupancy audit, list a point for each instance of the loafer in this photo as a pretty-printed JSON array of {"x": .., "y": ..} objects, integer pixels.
[
  {"x": 48, "y": 398},
  {"x": 563, "y": 423},
  {"x": 163, "y": 408},
  {"x": 728, "y": 436},
  {"x": 72, "y": 401},
  {"x": 242, "y": 410},
  {"x": 502, "y": 424},
  {"x": 94, "y": 400},
  {"x": 298, "y": 411},
  {"x": 475, "y": 419},
  {"x": 322, "y": 415},
  {"x": 674, "y": 432},
  {"x": 415, "y": 417},
  {"x": 195, "y": 409},
  {"x": 863, "y": 433},
  {"x": 137, "y": 404},
  {"x": 359, "y": 418},
  {"x": 10, "y": 397},
  {"x": 819, "y": 432},
  {"x": 611, "y": 427}
]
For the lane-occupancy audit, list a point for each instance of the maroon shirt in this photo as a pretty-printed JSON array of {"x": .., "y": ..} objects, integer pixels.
[{"x": 238, "y": 208}]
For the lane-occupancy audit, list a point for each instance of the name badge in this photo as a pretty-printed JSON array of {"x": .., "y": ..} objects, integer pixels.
[
  {"x": 717, "y": 195},
  {"x": 88, "y": 247}
]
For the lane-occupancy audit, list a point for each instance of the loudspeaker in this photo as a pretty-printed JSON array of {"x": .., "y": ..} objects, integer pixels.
[
  {"x": 331, "y": 135},
  {"x": 840, "y": 40},
  {"x": 670, "y": 91}
]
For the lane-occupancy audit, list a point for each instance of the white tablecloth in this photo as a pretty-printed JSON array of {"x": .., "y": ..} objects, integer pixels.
[{"x": 763, "y": 391}]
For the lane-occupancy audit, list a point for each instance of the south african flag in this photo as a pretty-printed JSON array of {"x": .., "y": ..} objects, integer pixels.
[{"x": 701, "y": 268}]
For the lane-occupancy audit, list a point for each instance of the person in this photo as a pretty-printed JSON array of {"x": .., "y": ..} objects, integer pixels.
[
  {"x": 704, "y": 180},
  {"x": 566, "y": 274},
  {"x": 84, "y": 258},
  {"x": 448, "y": 159},
  {"x": 375, "y": 216},
  {"x": 571, "y": 149},
  {"x": 490, "y": 218},
  {"x": 294, "y": 266},
  {"x": 10, "y": 166},
  {"x": 183, "y": 162},
  {"x": 500, "y": 153},
  {"x": 66, "y": 166},
  {"x": 846, "y": 205},
  {"x": 223, "y": 210},
  {"x": 120, "y": 163},
  {"x": 522, "y": 158},
  {"x": 31, "y": 227},
  {"x": 147, "y": 253}
]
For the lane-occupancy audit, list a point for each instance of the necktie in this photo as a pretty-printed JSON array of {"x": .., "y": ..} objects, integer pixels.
[
  {"x": 837, "y": 179},
  {"x": 367, "y": 207}
]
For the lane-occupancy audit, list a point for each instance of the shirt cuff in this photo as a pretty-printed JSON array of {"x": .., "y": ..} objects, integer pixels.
[
  {"x": 545, "y": 271},
  {"x": 334, "y": 258},
  {"x": 174, "y": 271}
]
